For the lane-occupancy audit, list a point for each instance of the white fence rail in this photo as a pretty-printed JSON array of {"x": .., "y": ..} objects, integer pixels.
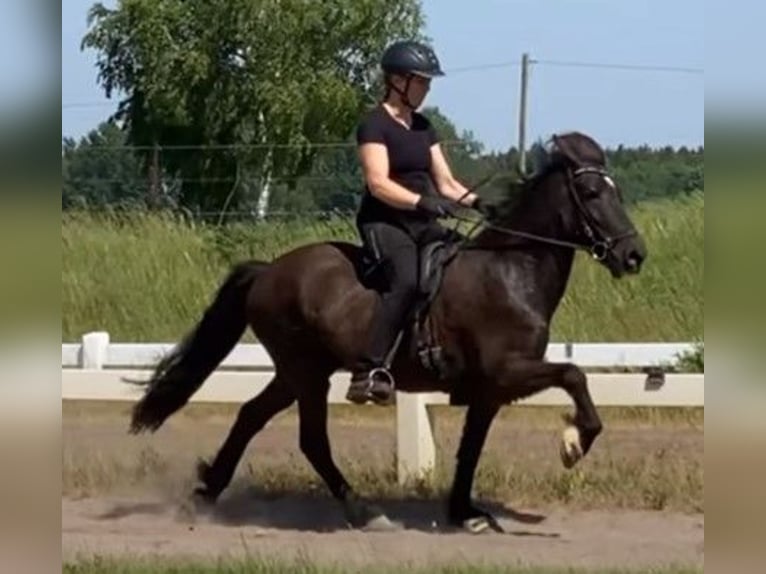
[
  {"x": 96, "y": 369},
  {"x": 96, "y": 351}
]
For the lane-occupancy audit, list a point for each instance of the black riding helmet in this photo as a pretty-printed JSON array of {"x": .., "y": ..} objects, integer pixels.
[{"x": 409, "y": 58}]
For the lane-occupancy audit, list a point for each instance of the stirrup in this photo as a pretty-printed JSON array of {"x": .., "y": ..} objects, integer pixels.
[{"x": 377, "y": 387}]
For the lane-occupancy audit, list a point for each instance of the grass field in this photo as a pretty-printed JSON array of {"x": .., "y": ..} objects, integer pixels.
[
  {"x": 254, "y": 566},
  {"x": 148, "y": 278}
]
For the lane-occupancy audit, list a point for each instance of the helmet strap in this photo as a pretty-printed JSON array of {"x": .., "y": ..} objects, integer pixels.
[{"x": 402, "y": 93}]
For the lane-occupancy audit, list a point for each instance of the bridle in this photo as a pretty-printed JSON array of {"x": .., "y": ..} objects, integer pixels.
[{"x": 600, "y": 243}]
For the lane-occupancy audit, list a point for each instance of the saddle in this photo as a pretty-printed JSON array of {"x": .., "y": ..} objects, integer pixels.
[{"x": 434, "y": 258}]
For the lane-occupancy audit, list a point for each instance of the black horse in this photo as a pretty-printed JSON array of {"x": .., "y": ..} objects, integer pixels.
[{"x": 490, "y": 320}]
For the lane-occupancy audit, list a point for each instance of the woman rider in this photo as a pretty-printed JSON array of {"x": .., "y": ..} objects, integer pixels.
[{"x": 408, "y": 186}]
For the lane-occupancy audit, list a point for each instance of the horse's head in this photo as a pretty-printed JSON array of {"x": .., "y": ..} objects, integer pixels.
[
  {"x": 574, "y": 186},
  {"x": 593, "y": 210}
]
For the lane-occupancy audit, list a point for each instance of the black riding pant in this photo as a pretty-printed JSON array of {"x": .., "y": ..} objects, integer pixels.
[{"x": 399, "y": 252}]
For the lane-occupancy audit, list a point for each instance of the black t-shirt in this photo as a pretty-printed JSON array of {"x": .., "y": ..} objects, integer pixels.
[{"x": 409, "y": 159}]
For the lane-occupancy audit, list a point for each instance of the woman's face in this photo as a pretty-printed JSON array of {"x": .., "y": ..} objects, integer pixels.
[{"x": 417, "y": 90}]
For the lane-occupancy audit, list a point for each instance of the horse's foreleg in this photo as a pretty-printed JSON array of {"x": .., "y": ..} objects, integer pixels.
[
  {"x": 461, "y": 511},
  {"x": 523, "y": 377}
]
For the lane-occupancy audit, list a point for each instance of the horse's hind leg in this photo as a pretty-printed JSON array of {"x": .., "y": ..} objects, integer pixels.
[
  {"x": 252, "y": 417},
  {"x": 315, "y": 445}
]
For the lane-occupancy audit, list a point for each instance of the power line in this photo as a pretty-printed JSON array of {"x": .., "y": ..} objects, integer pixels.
[
  {"x": 581, "y": 64},
  {"x": 507, "y": 64},
  {"x": 626, "y": 67},
  {"x": 479, "y": 67}
]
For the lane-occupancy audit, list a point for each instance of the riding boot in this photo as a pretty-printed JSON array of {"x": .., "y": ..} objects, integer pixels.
[
  {"x": 376, "y": 385},
  {"x": 370, "y": 378}
]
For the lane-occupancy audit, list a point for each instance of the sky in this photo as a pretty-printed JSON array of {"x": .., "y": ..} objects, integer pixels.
[{"x": 615, "y": 106}]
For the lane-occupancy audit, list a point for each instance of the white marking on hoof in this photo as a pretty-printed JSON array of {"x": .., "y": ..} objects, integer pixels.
[
  {"x": 476, "y": 525},
  {"x": 381, "y": 524},
  {"x": 571, "y": 447}
]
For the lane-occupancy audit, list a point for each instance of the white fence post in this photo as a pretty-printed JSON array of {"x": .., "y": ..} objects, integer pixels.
[
  {"x": 94, "y": 349},
  {"x": 416, "y": 453}
]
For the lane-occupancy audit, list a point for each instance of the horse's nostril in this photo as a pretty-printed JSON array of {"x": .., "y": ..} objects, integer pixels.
[{"x": 634, "y": 261}]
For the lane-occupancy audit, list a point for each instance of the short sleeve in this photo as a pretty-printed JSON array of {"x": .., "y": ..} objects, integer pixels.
[
  {"x": 369, "y": 131},
  {"x": 431, "y": 134}
]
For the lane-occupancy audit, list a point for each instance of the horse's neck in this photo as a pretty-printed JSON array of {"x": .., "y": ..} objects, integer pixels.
[
  {"x": 537, "y": 275},
  {"x": 552, "y": 274},
  {"x": 535, "y": 271}
]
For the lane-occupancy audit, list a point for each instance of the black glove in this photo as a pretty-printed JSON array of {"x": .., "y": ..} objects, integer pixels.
[{"x": 436, "y": 205}]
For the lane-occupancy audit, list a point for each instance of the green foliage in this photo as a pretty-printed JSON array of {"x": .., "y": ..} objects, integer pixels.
[
  {"x": 645, "y": 173},
  {"x": 259, "y": 79},
  {"x": 692, "y": 361},
  {"x": 98, "y": 170}
]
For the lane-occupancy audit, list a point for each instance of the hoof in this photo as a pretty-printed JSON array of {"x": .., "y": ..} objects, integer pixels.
[
  {"x": 203, "y": 469},
  {"x": 203, "y": 497},
  {"x": 367, "y": 517},
  {"x": 481, "y": 524},
  {"x": 571, "y": 448},
  {"x": 381, "y": 523},
  {"x": 203, "y": 494},
  {"x": 475, "y": 521},
  {"x": 476, "y": 525}
]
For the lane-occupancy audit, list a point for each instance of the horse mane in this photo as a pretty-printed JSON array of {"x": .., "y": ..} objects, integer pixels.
[
  {"x": 517, "y": 189},
  {"x": 546, "y": 159}
]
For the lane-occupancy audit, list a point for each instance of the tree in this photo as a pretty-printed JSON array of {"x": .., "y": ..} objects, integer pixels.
[
  {"x": 645, "y": 173},
  {"x": 100, "y": 171},
  {"x": 241, "y": 88}
]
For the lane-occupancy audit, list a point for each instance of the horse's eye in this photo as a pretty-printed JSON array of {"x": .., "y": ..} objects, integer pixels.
[{"x": 591, "y": 192}]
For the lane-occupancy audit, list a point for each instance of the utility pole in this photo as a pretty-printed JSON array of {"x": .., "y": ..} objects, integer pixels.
[{"x": 523, "y": 114}]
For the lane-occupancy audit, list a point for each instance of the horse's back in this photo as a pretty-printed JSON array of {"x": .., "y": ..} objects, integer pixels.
[
  {"x": 312, "y": 288},
  {"x": 326, "y": 259}
]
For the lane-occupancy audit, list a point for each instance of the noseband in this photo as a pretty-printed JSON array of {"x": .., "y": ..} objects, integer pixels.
[{"x": 600, "y": 243}]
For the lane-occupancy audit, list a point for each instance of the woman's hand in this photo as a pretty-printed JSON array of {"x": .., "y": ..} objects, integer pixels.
[
  {"x": 436, "y": 205},
  {"x": 489, "y": 211}
]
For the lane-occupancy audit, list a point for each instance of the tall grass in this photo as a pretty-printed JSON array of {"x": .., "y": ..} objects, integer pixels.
[
  {"x": 148, "y": 278},
  {"x": 663, "y": 303}
]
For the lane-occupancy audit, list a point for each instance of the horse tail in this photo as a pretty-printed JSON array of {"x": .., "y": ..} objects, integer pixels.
[{"x": 183, "y": 371}]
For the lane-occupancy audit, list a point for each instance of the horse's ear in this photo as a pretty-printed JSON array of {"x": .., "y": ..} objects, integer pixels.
[
  {"x": 579, "y": 149},
  {"x": 566, "y": 147}
]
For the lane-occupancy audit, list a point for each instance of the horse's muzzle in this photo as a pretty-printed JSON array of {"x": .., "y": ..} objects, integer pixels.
[{"x": 633, "y": 261}]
